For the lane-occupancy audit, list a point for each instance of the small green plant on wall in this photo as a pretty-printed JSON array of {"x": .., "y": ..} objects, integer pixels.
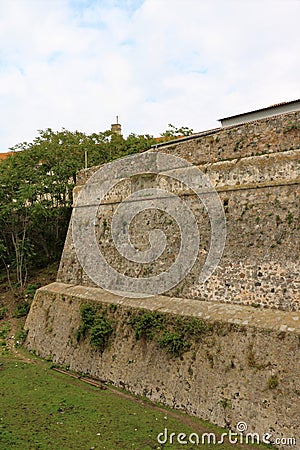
[
  {"x": 273, "y": 382},
  {"x": 145, "y": 324},
  {"x": 96, "y": 325},
  {"x": 101, "y": 331},
  {"x": 174, "y": 334},
  {"x": 289, "y": 218},
  {"x": 174, "y": 343},
  {"x": 225, "y": 403}
]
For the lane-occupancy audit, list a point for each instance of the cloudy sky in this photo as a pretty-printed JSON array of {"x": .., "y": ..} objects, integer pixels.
[{"x": 76, "y": 64}]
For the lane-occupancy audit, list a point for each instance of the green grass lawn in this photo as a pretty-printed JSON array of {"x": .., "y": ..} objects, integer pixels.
[{"x": 43, "y": 409}]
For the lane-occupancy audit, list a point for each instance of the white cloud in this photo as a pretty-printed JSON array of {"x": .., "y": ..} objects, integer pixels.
[{"x": 77, "y": 64}]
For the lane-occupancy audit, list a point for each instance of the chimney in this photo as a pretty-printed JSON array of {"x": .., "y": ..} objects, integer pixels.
[{"x": 116, "y": 127}]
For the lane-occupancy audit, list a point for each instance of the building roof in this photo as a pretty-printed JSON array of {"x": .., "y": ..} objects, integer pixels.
[
  {"x": 261, "y": 109},
  {"x": 3, "y": 156}
]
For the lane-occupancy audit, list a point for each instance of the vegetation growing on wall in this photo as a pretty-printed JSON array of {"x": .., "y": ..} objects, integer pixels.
[
  {"x": 175, "y": 335},
  {"x": 291, "y": 126},
  {"x": 273, "y": 382},
  {"x": 174, "y": 343},
  {"x": 146, "y": 324},
  {"x": 96, "y": 325}
]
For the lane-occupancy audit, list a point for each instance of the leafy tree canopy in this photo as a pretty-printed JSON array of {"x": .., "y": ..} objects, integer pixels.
[
  {"x": 173, "y": 132},
  {"x": 36, "y": 183}
]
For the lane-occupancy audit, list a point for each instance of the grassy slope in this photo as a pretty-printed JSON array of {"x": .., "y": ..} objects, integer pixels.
[{"x": 42, "y": 409}]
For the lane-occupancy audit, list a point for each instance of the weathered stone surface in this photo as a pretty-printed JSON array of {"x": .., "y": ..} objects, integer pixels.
[
  {"x": 260, "y": 193},
  {"x": 272, "y": 135},
  {"x": 224, "y": 378}
]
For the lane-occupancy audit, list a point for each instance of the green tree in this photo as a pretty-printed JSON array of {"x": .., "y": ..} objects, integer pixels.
[
  {"x": 36, "y": 183},
  {"x": 174, "y": 133}
]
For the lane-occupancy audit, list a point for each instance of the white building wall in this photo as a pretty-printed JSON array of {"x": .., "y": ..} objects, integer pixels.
[{"x": 261, "y": 114}]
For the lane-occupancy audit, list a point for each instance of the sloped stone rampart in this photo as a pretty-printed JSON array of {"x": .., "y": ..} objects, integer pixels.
[
  {"x": 260, "y": 265},
  {"x": 244, "y": 368}
]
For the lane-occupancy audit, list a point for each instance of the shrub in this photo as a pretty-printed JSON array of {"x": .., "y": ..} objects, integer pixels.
[
  {"x": 20, "y": 337},
  {"x": 3, "y": 312},
  {"x": 145, "y": 323},
  {"x": 21, "y": 310},
  {"x": 193, "y": 327},
  {"x": 88, "y": 314},
  {"x": 4, "y": 330},
  {"x": 99, "y": 327},
  {"x": 101, "y": 332},
  {"x": 30, "y": 290},
  {"x": 174, "y": 343}
]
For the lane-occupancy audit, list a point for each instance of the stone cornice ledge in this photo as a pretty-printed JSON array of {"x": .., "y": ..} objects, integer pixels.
[{"x": 267, "y": 319}]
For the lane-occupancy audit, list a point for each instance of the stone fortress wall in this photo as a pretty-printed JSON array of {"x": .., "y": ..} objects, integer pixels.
[
  {"x": 244, "y": 364},
  {"x": 255, "y": 169}
]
